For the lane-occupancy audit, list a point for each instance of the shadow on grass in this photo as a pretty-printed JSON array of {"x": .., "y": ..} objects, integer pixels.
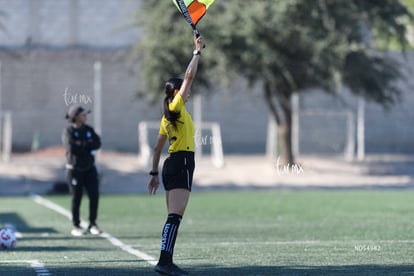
[
  {"x": 52, "y": 248},
  {"x": 24, "y": 269},
  {"x": 21, "y": 224},
  {"x": 305, "y": 270}
]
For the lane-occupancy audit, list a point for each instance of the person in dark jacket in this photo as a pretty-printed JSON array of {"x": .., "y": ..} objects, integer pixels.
[{"x": 81, "y": 143}]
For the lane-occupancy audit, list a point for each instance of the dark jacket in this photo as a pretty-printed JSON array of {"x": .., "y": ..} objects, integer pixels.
[{"x": 81, "y": 144}]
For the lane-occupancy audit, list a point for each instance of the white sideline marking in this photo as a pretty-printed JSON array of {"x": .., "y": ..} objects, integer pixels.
[
  {"x": 116, "y": 242},
  {"x": 39, "y": 267}
]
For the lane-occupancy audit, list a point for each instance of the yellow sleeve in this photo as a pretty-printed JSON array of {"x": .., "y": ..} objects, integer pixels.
[
  {"x": 163, "y": 131},
  {"x": 177, "y": 103}
]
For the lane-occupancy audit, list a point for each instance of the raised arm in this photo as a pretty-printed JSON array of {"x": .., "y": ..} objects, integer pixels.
[{"x": 192, "y": 67}]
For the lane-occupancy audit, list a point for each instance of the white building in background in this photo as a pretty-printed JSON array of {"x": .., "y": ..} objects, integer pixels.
[
  {"x": 65, "y": 23},
  {"x": 48, "y": 50}
]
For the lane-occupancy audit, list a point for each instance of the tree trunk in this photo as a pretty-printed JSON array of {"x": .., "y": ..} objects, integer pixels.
[
  {"x": 283, "y": 118},
  {"x": 285, "y": 138}
]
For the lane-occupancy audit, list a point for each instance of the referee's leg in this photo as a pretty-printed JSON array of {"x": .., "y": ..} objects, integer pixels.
[{"x": 177, "y": 200}]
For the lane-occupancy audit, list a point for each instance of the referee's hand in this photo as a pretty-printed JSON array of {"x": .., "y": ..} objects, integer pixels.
[{"x": 153, "y": 184}]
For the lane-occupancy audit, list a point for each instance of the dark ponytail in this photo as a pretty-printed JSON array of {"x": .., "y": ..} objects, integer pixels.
[{"x": 170, "y": 86}]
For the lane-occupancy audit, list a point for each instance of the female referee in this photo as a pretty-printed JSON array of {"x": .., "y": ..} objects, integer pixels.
[{"x": 177, "y": 173}]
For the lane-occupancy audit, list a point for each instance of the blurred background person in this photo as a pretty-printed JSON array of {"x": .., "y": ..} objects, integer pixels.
[{"x": 81, "y": 143}]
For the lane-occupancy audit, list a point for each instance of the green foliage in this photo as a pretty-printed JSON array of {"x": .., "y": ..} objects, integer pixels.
[
  {"x": 161, "y": 50},
  {"x": 166, "y": 47},
  {"x": 395, "y": 17},
  {"x": 372, "y": 76},
  {"x": 290, "y": 46},
  {"x": 295, "y": 45}
]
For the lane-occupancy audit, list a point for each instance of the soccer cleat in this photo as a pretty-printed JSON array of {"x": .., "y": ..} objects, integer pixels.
[
  {"x": 94, "y": 229},
  {"x": 183, "y": 272},
  {"x": 77, "y": 231},
  {"x": 170, "y": 269}
]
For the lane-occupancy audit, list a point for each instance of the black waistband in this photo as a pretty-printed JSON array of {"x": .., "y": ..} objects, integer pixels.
[{"x": 183, "y": 154}]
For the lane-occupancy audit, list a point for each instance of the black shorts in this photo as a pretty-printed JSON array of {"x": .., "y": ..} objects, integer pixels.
[{"x": 178, "y": 170}]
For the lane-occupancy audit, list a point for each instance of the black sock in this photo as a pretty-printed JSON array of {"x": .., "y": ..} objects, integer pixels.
[{"x": 169, "y": 234}]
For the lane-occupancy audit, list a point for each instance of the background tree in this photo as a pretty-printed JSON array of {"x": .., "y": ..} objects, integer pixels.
[
  {"x": 292, "y": 46},
  {"x": 286, "y": 46},
  {"x": 165, "y": 49}
]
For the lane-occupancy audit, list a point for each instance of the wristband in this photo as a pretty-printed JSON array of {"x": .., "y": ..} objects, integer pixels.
[{"x": 153, "y": 173}]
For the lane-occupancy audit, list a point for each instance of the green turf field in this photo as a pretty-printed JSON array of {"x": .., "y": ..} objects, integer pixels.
[{"x": 223, "y": 233}]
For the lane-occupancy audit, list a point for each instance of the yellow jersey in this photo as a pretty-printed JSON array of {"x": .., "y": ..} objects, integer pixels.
[{"x": 182, "y": 137}]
